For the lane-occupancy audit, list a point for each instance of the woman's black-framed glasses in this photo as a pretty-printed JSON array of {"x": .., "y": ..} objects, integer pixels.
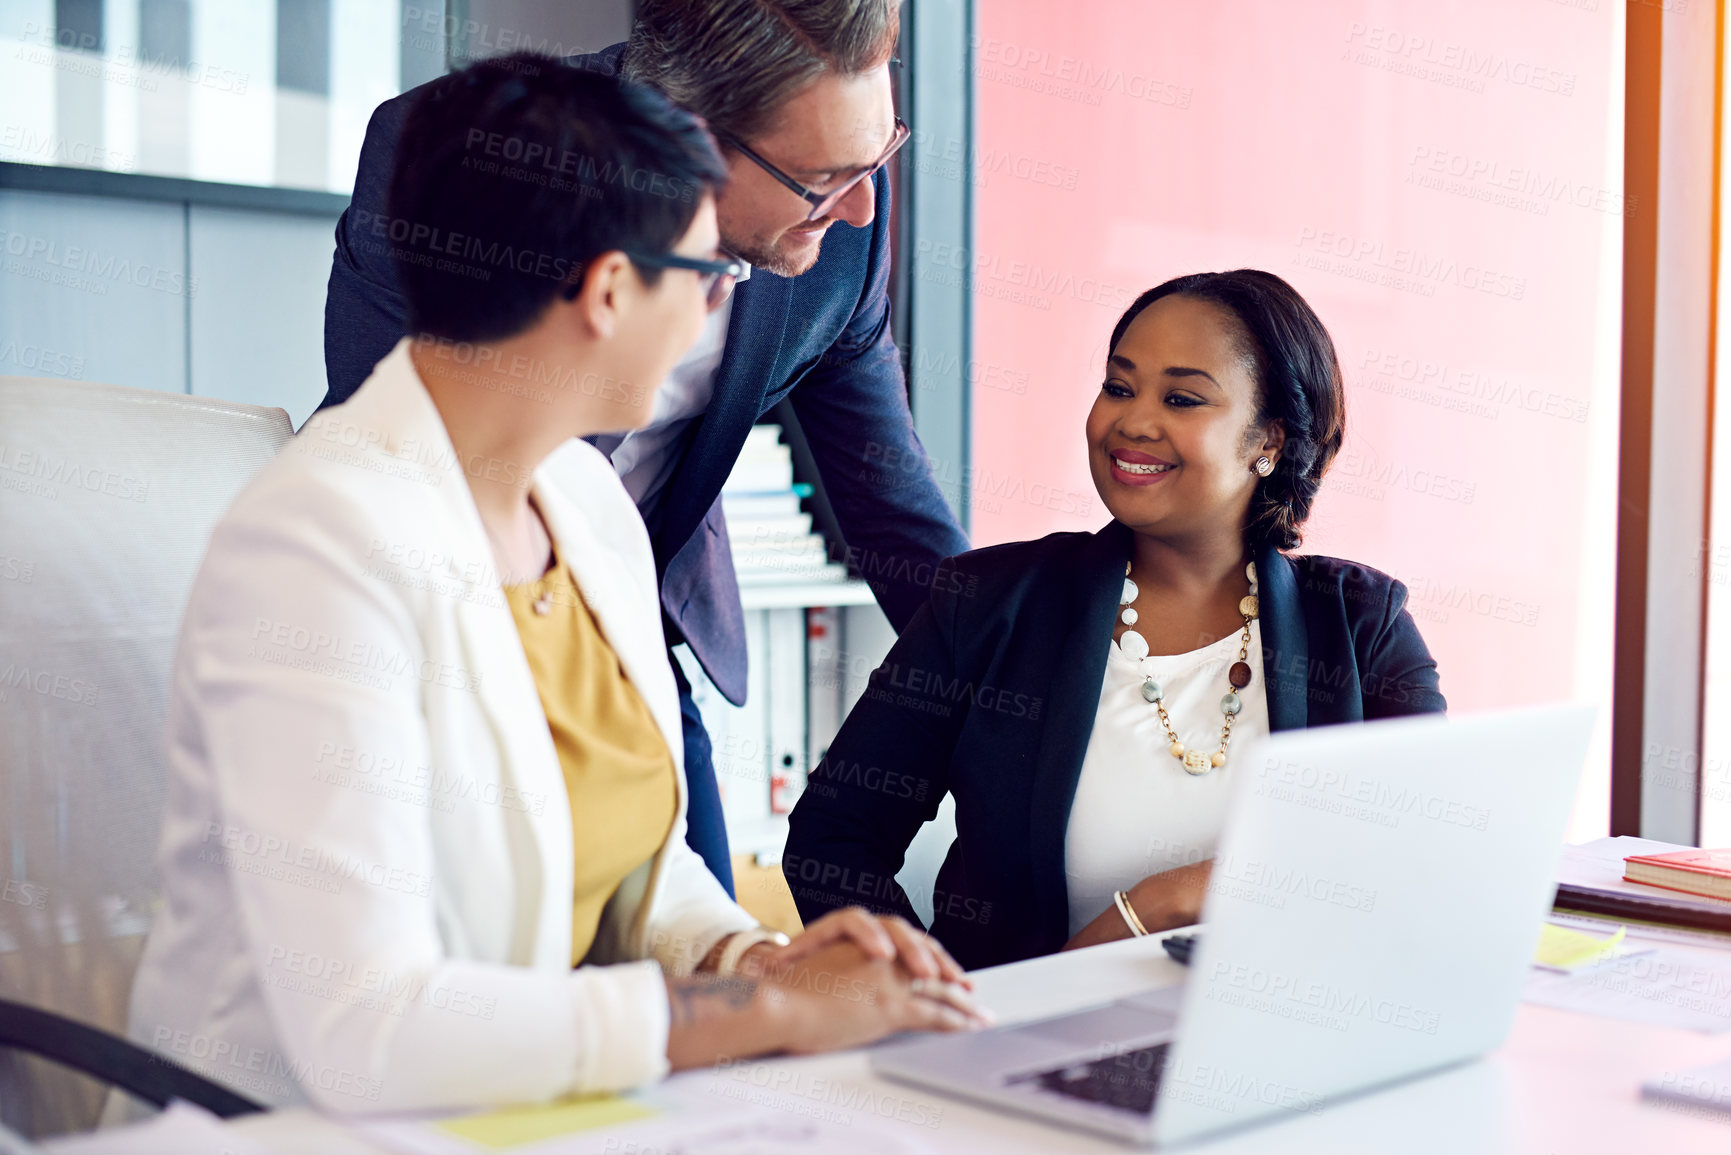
[
  {"x": 822, "y": 202},
  {"x": 717, "y": 277}
]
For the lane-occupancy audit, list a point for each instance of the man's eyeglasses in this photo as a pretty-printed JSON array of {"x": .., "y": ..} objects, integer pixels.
[
  {"x": 822, "y": 202},
  {"x": 717, "y": 277}
]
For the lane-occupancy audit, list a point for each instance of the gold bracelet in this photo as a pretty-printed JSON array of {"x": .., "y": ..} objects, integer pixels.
[{"x": 1122, "y": 902}]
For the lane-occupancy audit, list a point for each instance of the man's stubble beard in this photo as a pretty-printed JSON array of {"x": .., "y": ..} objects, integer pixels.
[{"x": 763, "y": 255}]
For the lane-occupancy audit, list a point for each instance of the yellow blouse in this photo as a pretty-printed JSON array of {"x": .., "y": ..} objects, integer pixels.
[{"x": 618, "y": 771}]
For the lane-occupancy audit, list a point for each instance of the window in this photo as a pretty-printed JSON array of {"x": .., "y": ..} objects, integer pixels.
[
  {"x": 1442, "y": 183},
  {"x": 274, "y": 94}
]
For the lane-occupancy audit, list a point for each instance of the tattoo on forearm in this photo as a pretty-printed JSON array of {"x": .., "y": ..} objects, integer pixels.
[{"x": 694, "y": 999}]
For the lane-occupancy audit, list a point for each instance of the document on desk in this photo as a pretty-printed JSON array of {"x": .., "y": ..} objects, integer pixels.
[
  {"x": 722, "y": 1129},
  {"x": 1566, "y": 949},
  {"x": 1639, "y": 932},
  {"x": 1671, "y": 986},
  {"x": 511, "y": 1129}
]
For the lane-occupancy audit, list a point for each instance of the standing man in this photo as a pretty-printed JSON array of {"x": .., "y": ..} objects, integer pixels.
[{"x": 798, "y": 94}]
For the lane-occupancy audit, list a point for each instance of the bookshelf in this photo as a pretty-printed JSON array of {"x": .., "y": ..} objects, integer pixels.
[
  {"x": 808, "y": 666},
  {"x": 813, "y": 637}
]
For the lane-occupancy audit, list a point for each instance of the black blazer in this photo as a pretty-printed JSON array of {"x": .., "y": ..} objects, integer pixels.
[{"x": 990, "y": 694}]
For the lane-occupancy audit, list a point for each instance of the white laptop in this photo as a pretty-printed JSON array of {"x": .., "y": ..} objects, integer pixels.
[{"x": 1372, "y": 914}]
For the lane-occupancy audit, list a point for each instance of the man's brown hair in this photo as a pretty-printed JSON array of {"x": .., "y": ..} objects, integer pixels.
[{"x": 736, "y": 62}]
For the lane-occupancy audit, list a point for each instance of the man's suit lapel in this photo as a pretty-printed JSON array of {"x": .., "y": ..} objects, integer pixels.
[
  {"x": 754, "y": 338},
  {"x": 1075, "y": 700}
]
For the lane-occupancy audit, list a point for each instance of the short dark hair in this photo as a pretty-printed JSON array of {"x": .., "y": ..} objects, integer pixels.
[
  {"x": 1297, "y": 375},
  {"x": 515, "y": 173},
  {"x": 736, "y": 62}
]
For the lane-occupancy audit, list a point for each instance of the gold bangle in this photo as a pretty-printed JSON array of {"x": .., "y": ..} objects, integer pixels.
[{"x": 1122, "y": 902}]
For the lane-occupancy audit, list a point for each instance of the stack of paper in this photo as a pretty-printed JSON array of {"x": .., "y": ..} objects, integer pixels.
[
  {"x": 772, "y": 538},
  {"x": 762, "y": 1123}
]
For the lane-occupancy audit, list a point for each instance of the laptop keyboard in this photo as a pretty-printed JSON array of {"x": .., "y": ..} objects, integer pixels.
[{"x": 1128, "y": 1081}]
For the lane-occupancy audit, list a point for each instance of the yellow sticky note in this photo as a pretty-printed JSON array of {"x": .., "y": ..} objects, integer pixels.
[
  {"x": 1566, "y": 949},
  {"x": 515, "y": 1126}
]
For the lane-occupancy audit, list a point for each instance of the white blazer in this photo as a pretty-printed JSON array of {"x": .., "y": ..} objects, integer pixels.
[{"x": 367, "y": 848}]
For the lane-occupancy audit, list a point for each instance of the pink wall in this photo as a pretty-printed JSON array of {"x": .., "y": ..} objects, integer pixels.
[{"x": 1442, "y": 182}]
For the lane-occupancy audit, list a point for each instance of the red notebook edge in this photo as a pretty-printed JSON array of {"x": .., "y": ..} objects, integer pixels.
[{"x": 1678, "y": 860}]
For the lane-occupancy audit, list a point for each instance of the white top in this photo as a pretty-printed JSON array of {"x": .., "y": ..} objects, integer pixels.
[
  {"x": 367, "y": 848},
  {"x": 1137, "y": 811},
  {"x": 644, "y": 457}
]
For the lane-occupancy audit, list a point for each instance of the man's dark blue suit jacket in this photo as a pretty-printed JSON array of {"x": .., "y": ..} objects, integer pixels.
[{"x": 822, "y": 339}]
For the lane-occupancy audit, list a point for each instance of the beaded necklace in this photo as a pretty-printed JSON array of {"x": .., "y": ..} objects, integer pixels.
[{"x": 1135, "y": 647}]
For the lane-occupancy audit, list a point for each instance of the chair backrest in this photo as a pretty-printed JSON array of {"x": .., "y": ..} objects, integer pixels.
[{"x": 107, "y": 497}]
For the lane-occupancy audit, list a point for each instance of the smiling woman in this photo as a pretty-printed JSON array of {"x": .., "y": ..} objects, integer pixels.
[
  {"x": 1149, "y": 651},
  {"x": 1274, "y": 358}
]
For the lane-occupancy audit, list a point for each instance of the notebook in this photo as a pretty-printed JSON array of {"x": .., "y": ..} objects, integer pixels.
[
  {"x": 1702, "y": 872},
  {"x": 1590, "y": 880}
]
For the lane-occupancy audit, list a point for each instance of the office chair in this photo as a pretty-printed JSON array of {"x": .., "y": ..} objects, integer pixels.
[
  {"x": 114, "y": 1061},
  {"x": 107, "y": 497}
]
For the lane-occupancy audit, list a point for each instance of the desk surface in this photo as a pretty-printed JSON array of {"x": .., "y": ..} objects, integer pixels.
[{"x": 1563, "y": 1083}]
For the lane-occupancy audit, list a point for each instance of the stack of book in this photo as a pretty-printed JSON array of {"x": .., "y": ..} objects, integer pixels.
[
  {"x": 772, "y": 538},
  {"x": 1644, "y": 881}
]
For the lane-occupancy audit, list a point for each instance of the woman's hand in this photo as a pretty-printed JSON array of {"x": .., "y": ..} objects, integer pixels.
[
  {"x": 1171, "y": 898},
  {"x": 883, "y": 937},
  {"x": 827, "y": 998},
  {"x": 1162, "y": 901},
  {"x": 838, "y": 996}
]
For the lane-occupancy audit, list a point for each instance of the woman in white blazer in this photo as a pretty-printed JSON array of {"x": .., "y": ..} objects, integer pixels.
[{"x": 368, "y": 848}]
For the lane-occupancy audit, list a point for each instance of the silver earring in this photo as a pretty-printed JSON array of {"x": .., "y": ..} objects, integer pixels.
[{"x": 1262, "y": 467}]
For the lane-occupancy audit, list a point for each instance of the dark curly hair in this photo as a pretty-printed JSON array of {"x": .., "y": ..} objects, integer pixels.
[{"x": 1298, "y": 381}]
